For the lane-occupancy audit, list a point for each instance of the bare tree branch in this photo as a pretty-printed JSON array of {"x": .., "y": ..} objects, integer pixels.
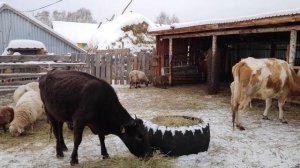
[
  {"x": 126, "y": 6},
  {"x": 112, "y": 18}
]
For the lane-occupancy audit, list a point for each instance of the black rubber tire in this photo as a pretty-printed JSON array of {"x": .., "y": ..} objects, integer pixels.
[{"x": 178, "y": 141}]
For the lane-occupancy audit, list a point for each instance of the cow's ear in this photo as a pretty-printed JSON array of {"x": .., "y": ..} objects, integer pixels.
[{"x": 122, "y": 130}]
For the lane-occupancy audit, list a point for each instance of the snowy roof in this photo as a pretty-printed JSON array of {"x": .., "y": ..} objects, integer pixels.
[
  {"x": 74, "y": 31},
  {"x": 22, "y": 43},
  {"x": 111, "y": 32},
  {"x": 228, "y": 20}
]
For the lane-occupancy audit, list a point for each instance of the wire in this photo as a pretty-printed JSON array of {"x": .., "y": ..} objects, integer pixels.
[{"x": 43, "y": 6}]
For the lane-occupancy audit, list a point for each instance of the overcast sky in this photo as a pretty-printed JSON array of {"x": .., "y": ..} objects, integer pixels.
[{"x": 185, "y": 10}]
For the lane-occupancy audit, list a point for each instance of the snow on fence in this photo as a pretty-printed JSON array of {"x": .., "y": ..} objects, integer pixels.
[{"x": 22, "y": 69}]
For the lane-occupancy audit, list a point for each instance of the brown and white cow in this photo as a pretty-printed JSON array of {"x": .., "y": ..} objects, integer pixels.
[{"x": 262, "y": 79}]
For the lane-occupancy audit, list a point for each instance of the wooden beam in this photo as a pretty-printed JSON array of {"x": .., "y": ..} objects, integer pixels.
[
  {"x": 293, "y": 43},
  {"x": 233, "y": 32},
  {"x": 213, "y": 64},
  {"x": 170, "y": 60},
  {"x": 26, "y": 58},
  {"x": 21, "y": 75},
  {"x": 38, "y": 64}
]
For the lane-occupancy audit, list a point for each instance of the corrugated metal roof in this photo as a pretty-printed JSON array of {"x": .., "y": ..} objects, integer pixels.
[{"x": 228, "y": 20}]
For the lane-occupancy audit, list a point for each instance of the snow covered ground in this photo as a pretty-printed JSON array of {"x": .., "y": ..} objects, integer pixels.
[{"x": 263, "y": 143}]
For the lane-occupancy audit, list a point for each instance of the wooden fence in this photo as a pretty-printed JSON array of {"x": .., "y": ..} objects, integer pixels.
[
  {"x": 115, "y": 65},
  {"x": 22, "y": 69},
  {"x": 110, "y": 65}
]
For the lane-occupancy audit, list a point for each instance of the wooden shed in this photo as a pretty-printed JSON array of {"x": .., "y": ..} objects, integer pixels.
[{"x": 205, "y": 51}]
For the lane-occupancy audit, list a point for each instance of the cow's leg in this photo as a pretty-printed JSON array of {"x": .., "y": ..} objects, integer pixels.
[
  {"x": 57, "y": 131},
  {"x": 103, "y": 147},
  {"x": 242, "y": 106},
  {"x": 268, "y": 105},
  {"x": 61, "y": 137},
  {"x": 78, "y": 130},
  {"x": 281, "y": 102}
]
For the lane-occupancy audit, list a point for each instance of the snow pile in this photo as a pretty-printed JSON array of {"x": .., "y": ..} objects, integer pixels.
[
  {"x": 24, "y": 43},
  {"x": 76, "y": 32},
  {"x": 129, "y": 30}
]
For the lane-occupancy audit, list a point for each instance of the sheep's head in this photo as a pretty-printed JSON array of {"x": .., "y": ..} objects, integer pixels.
[{"x": 15, "y": 130}]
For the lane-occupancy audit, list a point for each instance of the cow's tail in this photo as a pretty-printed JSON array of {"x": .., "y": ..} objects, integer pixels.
[{"x": 235, "y": 92}]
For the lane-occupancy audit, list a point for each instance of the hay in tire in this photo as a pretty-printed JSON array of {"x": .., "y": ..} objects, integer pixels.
[{"x": 179, "y": 138}]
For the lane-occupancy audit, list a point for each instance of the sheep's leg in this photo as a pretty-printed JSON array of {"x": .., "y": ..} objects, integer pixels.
[
  {"x": 4, "y": 128},
  {"x": 268, "y": 105},
  {"x": 78, "y": 130},
  {"x": 103, "y": 147}
]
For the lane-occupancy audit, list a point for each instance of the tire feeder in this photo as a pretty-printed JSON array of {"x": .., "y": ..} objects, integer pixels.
[{"x": 179, "y": 140}]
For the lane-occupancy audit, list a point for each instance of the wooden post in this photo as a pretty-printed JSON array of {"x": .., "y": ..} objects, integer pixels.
[
  {"x": 98, "y": 66},
  {"x": 293, "y": 43},
  {"x": 170, "y": 60},
  {"x": 122, "y": 70},
  {"x": 213, "y": 80},
  {"x": 108, "y": 69},
  {"x": 102, "y": 68}
]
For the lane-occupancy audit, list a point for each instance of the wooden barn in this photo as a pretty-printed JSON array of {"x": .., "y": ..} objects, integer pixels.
[{"x": 205, "y": 51}]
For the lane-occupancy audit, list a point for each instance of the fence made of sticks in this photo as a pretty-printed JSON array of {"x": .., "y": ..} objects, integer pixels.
[{"x": 114, "y": 65}]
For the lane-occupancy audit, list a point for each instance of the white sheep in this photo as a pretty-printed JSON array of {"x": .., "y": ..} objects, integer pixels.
[
  {"x": 27, "y": 110},
  {"x": 24, "y": 88},
  {"x": 137, "y": 77}
]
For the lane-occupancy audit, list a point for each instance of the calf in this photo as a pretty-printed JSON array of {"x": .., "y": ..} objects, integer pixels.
[
  {"x": 72, "y": 96},
  {"x": 161, "y": 81},
  {"x": 6, "y": 116}
]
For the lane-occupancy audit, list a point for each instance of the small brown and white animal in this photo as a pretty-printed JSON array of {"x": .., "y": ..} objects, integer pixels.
[
  {"x": 6, "y": 116},
  {"x": 24, "y": 88},
  {"x": 136, "y": 78},
  {"x": 27, "y": 110},
  {"x": 262, "y": 79},
  {"x": 161, "y": 81}
]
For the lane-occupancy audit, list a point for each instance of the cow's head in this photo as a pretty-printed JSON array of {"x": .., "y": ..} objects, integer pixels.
[{"x": 135, "y": 137}]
